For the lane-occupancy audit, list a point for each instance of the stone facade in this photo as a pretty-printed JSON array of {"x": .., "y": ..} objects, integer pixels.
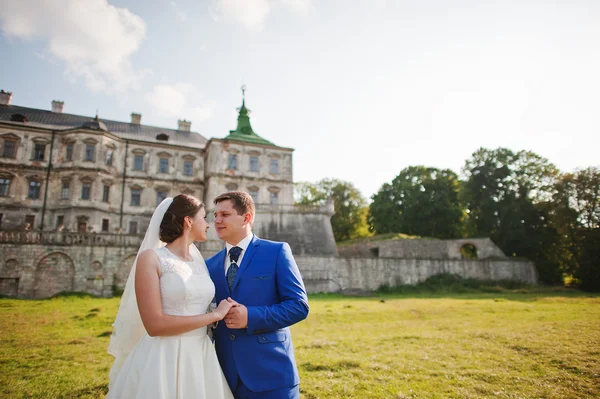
[
  {"x": 39, "y": 265},
  {"x": 476, "y": 248},
  {"x": 77, "y": 194}
]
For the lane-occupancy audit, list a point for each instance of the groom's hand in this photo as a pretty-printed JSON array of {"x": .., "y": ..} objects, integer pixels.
[{"x": 237, "y": 317}]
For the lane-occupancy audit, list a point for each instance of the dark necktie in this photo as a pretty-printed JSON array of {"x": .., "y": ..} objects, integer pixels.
[{"x": 234, "y": 255}]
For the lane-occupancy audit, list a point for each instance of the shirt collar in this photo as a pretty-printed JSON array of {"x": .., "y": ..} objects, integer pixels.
[{"x": 242, "y": 244}]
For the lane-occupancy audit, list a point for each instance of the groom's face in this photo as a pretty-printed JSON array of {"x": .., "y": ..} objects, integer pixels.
[{"x": 230, "y": 226}]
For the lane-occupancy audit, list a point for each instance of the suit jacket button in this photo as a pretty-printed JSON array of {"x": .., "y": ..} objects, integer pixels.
[
  {"x": 232, "y": 337},
  {"x": 264, "y": 338}
]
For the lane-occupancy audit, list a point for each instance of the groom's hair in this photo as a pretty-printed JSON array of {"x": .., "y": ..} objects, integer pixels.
[{"x": 242, "y": 202}]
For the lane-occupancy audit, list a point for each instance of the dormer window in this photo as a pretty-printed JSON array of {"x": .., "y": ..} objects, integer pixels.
[
  {"x": 18, "y": 118},
  {"x": 162, "y": 137}
]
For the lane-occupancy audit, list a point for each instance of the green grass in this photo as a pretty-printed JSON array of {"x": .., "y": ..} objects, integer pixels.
[{"x": 516, "y": 342}]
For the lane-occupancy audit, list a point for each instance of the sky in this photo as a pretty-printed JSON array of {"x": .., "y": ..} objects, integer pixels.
[{"x": 361, "y": 89}]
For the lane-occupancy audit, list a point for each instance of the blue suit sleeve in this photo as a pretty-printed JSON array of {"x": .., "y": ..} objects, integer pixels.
[{"x": 293, "y": 306}]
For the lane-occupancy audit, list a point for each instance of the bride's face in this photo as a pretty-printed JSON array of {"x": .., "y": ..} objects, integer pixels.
[{"x": 199, "y": 226}]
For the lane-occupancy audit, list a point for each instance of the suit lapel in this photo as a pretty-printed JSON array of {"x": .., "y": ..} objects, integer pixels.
[
  {"x": 250, "y": 251},
  {"x": 219, "y": 272}
]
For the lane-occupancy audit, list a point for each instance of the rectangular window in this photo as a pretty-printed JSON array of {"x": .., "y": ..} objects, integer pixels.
[
  {"x": 4, "y": 187},
  {"x": 39, "y": 151},
  {"x": 133, "y": 227},
  {"x": 253, "y": 164},
  {"x": 138, "y": 162},
  {"x": 34, "y": 189},
  {"x": 105, "y": 225},
  {"x": 254, "y": 195},
  {"x": 163, "y": 165},
  {"x": 160, "y": 196},
  {"x": 30, "y": 220},
  {"x": 232, "y": 162},
  {"x": 65, "y": 192},
  {"x": 274, "y": 197},
  {"x": 86, "y": 191},
  {"x": 106, "y": 193},
  {"x": 275, "y": 166},
  {"x": 109, "y": 158},
  {"x": 60, "y": 220},
  {"x": 188, "y": 168},
  {"x": 136, "y": 196},
  {"x": 9, "y": 149},
  {"x": 90, "y": 152},
  {"x": 69, "y": 154}
]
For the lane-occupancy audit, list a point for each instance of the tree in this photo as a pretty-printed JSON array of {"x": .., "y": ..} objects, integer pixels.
[
  {"x": 349, "y": 220},
  {"x": 506, "y": 195},
  {"x": 576, "y": 213},
  {"x": 419, "y": 201}
]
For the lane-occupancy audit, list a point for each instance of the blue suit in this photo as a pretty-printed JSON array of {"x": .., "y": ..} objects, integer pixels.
[{"x": 269, "y": 284}]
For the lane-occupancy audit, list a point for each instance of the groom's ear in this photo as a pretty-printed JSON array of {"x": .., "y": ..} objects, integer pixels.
[{"x": 248, "y": 218}]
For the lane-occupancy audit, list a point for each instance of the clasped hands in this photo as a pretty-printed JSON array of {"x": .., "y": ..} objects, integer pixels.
[{"x": 236, "y": 314}]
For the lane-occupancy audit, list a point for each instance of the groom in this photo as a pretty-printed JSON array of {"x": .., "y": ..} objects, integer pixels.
[{"x": 253, "y": 341}]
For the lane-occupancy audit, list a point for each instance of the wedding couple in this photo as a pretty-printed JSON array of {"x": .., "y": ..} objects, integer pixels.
[{"x": 160, "y": 340}]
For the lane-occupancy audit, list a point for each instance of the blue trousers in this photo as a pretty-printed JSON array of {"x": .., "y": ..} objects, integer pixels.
[{"x": 242, "y": 392}]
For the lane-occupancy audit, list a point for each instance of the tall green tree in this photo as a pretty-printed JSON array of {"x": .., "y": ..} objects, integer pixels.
[
  {"x": 419, "y": 201},
  {"x": 349, "y": 220},
  {"x": 506, "y": 195},
  {"x": 576, "y": 213}
]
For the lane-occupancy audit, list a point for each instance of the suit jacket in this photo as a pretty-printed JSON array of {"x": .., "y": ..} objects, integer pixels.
[{"x": 269, "y": 284}]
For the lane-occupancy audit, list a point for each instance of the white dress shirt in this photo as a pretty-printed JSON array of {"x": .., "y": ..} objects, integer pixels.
[{"x": 242, "y": 244}]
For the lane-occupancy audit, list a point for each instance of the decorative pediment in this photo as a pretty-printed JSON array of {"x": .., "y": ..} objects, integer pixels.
[
  {"x": 254, "y": 153},
  {"x": 90, "y": 141},
  {"x": 188, "y": 157},
  {"x": 40, "y": 140},
  {"x": 108, "y": 182},
  {"x": 253, "y": 188},
  {"x": 163, "y": 154},
  {"x": 274, "y": 189},
  {"x": 138, "y": 151},
  {"x": 86, "y": 179},
  {"x": 10, "y": 136},
  {"x": 231, "y": 186},
  {"x": 136, "y": 187}
]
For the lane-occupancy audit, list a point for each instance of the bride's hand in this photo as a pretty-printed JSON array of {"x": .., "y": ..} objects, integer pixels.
[{"x": 223, "y": 308}]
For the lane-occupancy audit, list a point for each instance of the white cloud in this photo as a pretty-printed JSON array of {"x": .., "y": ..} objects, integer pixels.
[
  {"x": 179, "y": 13},
  {"x": 252, "y": 13},
  {"x": 177, "y": 101},
  {"x": 92, "y": 37},
  {"x": 299, "y": 6}
]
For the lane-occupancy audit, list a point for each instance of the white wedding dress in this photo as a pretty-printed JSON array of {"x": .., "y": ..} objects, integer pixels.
[{"x": 175, "y": 367}]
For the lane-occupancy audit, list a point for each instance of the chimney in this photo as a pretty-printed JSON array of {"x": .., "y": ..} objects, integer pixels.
[
  {"x": 5, "y": 97},
  {"x": 58, "y": 106},
  {"x": 136, "y": 119},
  {"x": 184, "y": 125}
]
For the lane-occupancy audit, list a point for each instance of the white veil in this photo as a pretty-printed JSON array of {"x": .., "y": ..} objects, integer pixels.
[{"x": 128, "y": 328}]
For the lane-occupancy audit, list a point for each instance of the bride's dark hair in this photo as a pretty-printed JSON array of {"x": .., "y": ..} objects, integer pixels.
[{"x": 171, "y": 227}]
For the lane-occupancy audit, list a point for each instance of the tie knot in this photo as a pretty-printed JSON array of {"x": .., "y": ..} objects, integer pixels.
[{"x": 234, "y": 254}]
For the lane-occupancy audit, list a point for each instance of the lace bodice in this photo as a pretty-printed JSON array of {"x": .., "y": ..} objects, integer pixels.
[{"x": 185, "y": 287}]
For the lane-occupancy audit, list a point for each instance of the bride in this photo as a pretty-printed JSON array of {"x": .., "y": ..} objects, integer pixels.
[{"x": 160, "y": 341}]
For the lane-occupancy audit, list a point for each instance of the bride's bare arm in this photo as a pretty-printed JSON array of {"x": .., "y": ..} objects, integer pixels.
[{"x": 147, "y": 291}]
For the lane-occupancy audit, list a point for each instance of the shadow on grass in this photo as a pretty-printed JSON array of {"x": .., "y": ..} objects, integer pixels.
[
  {"x": 453, "y": 286},
  {"x": 97, "y": 390}
]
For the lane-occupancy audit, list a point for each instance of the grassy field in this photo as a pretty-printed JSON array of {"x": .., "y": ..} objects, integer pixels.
[{"x": 539, "y": 344}]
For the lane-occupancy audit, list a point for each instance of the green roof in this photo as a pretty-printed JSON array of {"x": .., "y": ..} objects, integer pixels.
[{"x": 244, "y": 130}]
